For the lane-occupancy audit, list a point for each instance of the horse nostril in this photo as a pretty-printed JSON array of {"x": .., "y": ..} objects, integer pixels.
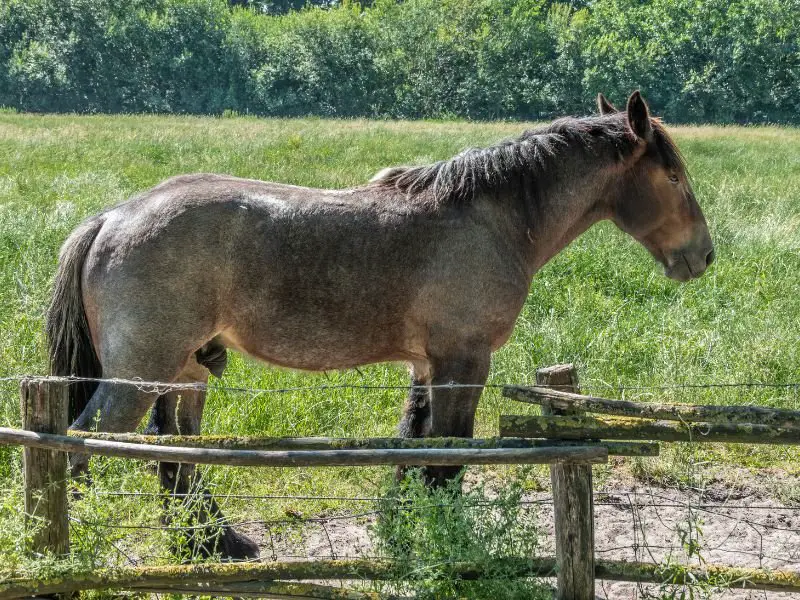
[{"x": 710, "y": 257}]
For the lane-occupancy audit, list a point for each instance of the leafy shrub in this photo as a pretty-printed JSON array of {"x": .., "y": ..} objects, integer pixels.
[
  {"x": 696, "y": 60},
  {"x": 425, "y": 530}
]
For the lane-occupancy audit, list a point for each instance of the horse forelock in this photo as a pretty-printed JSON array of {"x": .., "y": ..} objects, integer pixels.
[
  {"x": 668, "y": 151},
  {"x": 456, "y": 181}
]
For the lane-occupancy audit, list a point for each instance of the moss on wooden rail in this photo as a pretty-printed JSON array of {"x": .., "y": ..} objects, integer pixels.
[
  {"x": 578, "y": 427},
  {"x": 225, "y": 442},
  {"x": 734, "y": 577},
  {"x": 225, "y": 577},
  {"x": 133, "y": 578},
  {"x": 308, "y": 458},
  {"x": 265, "y": 589},
  {"x": 775, "y": 417}
]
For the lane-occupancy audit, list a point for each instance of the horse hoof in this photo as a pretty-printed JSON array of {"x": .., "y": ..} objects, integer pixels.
[{"x": 236, "y": 546}]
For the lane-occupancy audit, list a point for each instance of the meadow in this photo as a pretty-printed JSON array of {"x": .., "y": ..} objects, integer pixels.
[{"x": 602, "y": 304}]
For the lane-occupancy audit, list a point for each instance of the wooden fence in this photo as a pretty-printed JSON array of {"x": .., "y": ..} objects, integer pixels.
[{"x": 563, "y": 437}]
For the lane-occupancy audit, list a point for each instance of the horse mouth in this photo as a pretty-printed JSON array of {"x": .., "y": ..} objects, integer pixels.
[
  {"x": 692, "y": 274},
  {"x": 679, "y": 272}
]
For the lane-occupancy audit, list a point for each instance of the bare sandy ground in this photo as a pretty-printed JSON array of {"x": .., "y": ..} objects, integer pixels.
[{"x": 746, "y": 528}]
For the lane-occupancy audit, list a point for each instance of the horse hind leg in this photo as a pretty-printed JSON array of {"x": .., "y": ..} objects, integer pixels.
[
  {"x": 113, "y": 408},
  {"x": 119, "y": 407},
  {"x": 213, "y": 356},
  {"x": 181, "y": 412}
]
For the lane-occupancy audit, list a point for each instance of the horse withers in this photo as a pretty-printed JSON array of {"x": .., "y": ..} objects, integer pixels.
[{"x": 427, "y": 265}]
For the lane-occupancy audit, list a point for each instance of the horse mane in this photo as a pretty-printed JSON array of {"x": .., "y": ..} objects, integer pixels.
[{"x": 458, "y": 180}]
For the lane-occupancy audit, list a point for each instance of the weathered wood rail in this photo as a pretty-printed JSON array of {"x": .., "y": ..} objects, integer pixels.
[
  {"x": 581, "y": 427},
  {"x": 309, "y": 458},
  {"x": 687, "y": 413},
  {"x": 321, "y": 443},
  {"x": 273, "y": 578}
]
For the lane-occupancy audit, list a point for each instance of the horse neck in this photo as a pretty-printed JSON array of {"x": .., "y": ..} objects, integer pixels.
[{"x": 564, "y": 207}]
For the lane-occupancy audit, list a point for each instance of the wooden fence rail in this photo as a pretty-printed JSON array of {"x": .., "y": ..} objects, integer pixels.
[
  {"x": 309, "y": 458},
  {"x": 321, "y": 443},
  {"x": 624, "y": 428},
  {"x": 272, "y": 577},
  {"x": 687, "y": 413}
]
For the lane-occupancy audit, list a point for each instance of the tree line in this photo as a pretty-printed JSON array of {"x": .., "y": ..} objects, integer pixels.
[{"x": 720, "y": 61}]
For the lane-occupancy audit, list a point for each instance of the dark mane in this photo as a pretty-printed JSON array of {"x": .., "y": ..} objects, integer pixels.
[{"x": 459, "y": 179}]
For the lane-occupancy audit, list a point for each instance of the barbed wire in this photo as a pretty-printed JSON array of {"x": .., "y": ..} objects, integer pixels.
[
  {"x": 342, "y": 536},
  {"x": 164, "y": 387},
  {"x": 163, "y": 494},
  {"x": 640, "y": 543},
  {"x": 548, "y": 500},
  {"x": 707, "y": 508}
]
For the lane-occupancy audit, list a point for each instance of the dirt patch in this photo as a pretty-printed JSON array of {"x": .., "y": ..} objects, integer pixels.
[{"x": 741, "y": 527}]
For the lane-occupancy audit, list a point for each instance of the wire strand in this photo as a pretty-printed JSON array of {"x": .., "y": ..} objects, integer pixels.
[{"x": 163, "y": 387}]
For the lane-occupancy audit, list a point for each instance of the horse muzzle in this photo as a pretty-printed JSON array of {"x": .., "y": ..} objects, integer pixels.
[{"x": 689, "y": 263}]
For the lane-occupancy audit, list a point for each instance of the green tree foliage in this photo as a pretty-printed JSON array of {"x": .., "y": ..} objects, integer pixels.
[
  {"x": 483, "y": 59},
  {"x": 317, "y": 61},
  {"x": 699, "y": 60},
  {"x": 696, "y": 60}
]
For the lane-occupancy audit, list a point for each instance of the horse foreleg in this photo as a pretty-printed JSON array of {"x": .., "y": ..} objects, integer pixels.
[
  {"x": 453, "y": 409},
  {"x": 181, "y": 413}
]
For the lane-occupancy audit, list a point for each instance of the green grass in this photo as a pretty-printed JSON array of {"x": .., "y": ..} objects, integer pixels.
[{"x": 602, "y": 304}]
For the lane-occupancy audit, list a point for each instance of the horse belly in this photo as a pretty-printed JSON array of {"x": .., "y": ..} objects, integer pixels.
[{"x": 314, "y": 345}]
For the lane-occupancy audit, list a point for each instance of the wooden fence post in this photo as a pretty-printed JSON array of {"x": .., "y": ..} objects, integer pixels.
[
  {"x": 573, "y": 506},
  {"x": 44, "y": 410}
]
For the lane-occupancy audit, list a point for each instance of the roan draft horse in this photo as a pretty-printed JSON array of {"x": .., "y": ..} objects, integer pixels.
[{"x": 427, "y": 265}]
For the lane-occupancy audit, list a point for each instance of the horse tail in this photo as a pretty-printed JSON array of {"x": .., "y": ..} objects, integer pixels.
[{"x": 70, "y": 344}]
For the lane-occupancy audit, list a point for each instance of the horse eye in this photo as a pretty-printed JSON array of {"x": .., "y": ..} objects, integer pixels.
[{"x": 673, "y": 178}]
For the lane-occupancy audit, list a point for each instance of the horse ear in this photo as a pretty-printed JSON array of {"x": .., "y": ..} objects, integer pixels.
[
  {"x": 639, "y": 117},
  {"x": 604, "y": 106}
]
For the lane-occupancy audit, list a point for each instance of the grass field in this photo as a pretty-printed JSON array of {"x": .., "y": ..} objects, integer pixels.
[{"x": 602, "y": 304}]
